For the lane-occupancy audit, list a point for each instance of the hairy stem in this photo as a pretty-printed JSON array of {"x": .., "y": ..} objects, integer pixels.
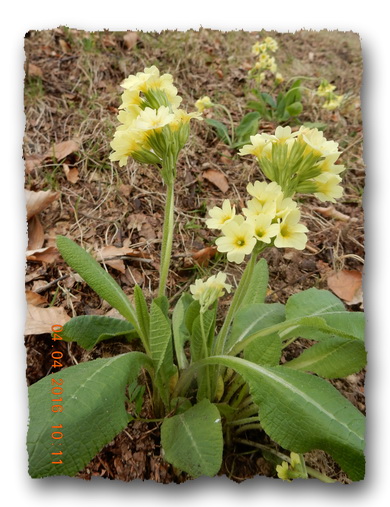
[{"x": 166, "y": 248}]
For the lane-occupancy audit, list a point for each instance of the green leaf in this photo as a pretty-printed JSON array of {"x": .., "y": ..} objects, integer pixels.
[
  {"x": 220, "y": 128},
  {"x": 196, "y": 340},
  {"x": 93, "y": 412},
  {"x": 193, "y": 441},
  {"x": 295, "y": 108},
  {"x": 96, "y": 277},
  {"x": 141, "y": 309},
  {"x": 179, "y": 329},
  {"x": 192, "y": 311},
  {"x": 253, "y": 318},
  {"x": 248, "y": 126},
  {"x": 333, "y": 358},
  {"x": 265, "y": 350},
  {"x": 321, "y": 303},
  {"x": 257, "y": 287},
  {"x": 160, "y": 337},
  {"x": 88, "y": 330},
  {"x": 302, "y": 412}
]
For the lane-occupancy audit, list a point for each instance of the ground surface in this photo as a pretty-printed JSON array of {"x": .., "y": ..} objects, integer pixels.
[{"x": 72, "y": 94}]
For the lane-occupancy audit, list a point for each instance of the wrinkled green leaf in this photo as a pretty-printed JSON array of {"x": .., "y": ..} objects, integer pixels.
[
  {"x": 333, "y": 358},
  {"x": 96, "y": 277},
  {"x": 93, "y": 412},
  {"x": 302, "y": 412},
  {"x": 257, "y": 286},
  {"x": 88, "y": 330},
  {"x": 193, "y": 441}
]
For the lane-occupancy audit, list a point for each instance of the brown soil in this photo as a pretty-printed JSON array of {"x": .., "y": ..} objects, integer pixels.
[{"x": 75, "y": 94}]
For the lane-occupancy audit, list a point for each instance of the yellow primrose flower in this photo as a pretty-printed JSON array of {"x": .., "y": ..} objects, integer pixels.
[
  {"x": 130, "y": 98},
  {"x": 328, "y": 188},
  {"x": 203, "y": 103},
  {"x": 295, "y": 460},
  {"x": 150, "y": 119},
  {"x": 125, "y": 143},
  {"x": 333, "y": 102},
  {"x": 282, "y": 135},
  {"x": 140, "y": 81},
  {"x": 316, "y": 142},
  {"x": 128, "y": 116},
  {"x": 259, "y": 144},
  {"x": 278, "y": 78},
  {"x": 291, "y": 233},
  {"x": 209, "y": 291},
  {"x": 325, "y": 88},
  {"x": 258, "y": 48},
  {"x": 221, "y": 216},
  {"x": 181, "y": 117},
  {"x": 265, "y": 192},
  {"x": 328, "y": 164},
  {"x": 263, "y": 227},
  {"x": 271, "y": 44},
  {"x": 238, "y": 239},
  {"x": 255, "y": 208}
]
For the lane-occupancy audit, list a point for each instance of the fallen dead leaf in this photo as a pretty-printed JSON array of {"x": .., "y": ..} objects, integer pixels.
[
  {"x": 109, "y": 252},
  {"x": 203, "y": 256},
  {"x": 38, "y": 201},
  {"x": 63, "y": 149},
  {"x": 347, "y": 285},
  {"x": 32, "y": 162},
  {"x": 36, "y": 235},
  {"x": 332, "y": 212},
  {"x": 130, "y": 39},
  {"x": 72, "y": 175},
  {"x": 217, "y": 178},
  {"x": 35, "y": 299},
  {"x": 40, "y": 320},
  {"x": 34, "y": 70},
  {"x": 48, "y": 255}
]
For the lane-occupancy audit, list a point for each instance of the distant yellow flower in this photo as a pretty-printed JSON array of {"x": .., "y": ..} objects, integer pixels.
[
  {"x": 328, "y": 188},
  {"x": 325, "y": 88},
  {"x": 203, "y": 103},
  {"x": 333, "y": 102},
  {"x": 291, "y": 233},
  {"x": 221, "y": 216},
  {"x": 238, "y": 240},
  {"x": 150, "y": 119},
  {"x": 209, "y": 291},
  {"x": 263, "y": 227},
  {"x": 271, "y": 44}
]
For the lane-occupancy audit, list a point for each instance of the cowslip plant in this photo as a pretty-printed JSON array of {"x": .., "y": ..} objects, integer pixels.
[
  {"x": 212, "y": 384},
  {"x": 233, "y": 136}
]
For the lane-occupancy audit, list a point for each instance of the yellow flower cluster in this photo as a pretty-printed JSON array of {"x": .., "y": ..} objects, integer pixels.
[
  {"x": 203, "y": 103},
  {"x": 287, "y": 472},
  {"x": 269, "y": 218},
  {"x": 326, "y": 91},
  {"x": 209, "y": 291},
  {"x": 152, "y": 127},
  {"x": 301, "y": 161},
  {"x": 265, "y": 61}
]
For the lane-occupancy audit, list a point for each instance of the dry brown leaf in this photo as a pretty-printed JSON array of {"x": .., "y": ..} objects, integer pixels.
[
  {"x": 117, "y": 264},
  {"x": 34, "y": 70},
  {"x": 31, "y": 162},
  {"x": 72, "y": 175},
  {"x": 110, "y": 251},
  {"x": 217, "y": 178},
  {"x": 38, "y": 201},
  {"x": 63, "y": 149},
  {"x": 36, "y": 236},
  {"x": 347, "y": 285},
  {"x": 130, "y": 39},
  {"x": 203, "y": 256},
  {"x": 64, "y": 45},
  {"x": 48, "y": 255},
  {"x": 35, "y": 299},
  {"x": 40, "y": 320},
  {"x": 332, "y": 212}
]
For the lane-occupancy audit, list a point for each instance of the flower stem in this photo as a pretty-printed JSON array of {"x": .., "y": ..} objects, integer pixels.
[{"x": 167, "y": 239}]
